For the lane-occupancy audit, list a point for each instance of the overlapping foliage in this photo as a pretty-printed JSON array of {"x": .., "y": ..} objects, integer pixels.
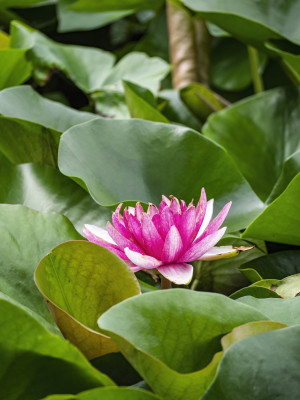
[{"x": 89, "y": 119}]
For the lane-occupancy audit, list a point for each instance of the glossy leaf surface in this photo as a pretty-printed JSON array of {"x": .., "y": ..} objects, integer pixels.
[
  {"x": 81, "y": 280},
  {"x": 31, "y": 125},
  {"x": 45, "y": 189},
  {"x": 174, "y": 353},
  {"x": 27, "y": 236},
  {"x": 281, "y": 310},
  {"x": 132, "y": 160},
  {"x": 247, "y": 132},
  {"x": 41, "y": 362},
  {"x": 252, "y": 21},
  {"x": 237, "y": 375},
  {"x": 285, "y": 210}
]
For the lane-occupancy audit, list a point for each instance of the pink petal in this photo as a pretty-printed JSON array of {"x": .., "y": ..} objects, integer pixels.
[
  {"x": 201, "y": 207},
  {"x": 120, "y": 227},
  {"x": 187, "y": 225},
  {"x": 101, "y": 242},
  {"x": 181, "y": 274},
  {"x": 139, "y": 211},
  {"x": 153, "y": 243},
  {"x": 136, "y": 229},
  {"x": 217, "y": 253},
  {"x": 152, "y": 210},
  {"x": 166, "y": 200},
  {"x": 183, "y": 206},
  {"x": 166, "y": 221},
  {"x": 120, "y": 240},
  {"x": 218, "y": 221},
  {"x": 207, "y": 217},
  {"x": 173, "y": 246},
  {"x": 200, "y": 247},
  {"x": 142, "y": 261},
  {"x": 175, "y": 205}
]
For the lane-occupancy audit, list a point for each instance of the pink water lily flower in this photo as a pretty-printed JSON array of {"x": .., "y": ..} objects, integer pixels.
[{"x": 167, "y": 238}]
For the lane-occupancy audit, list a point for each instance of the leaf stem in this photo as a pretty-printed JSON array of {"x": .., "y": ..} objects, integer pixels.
[
  {"x": 165, "y": 283},
  {"x": 254, "y": 66},
  {"x": 196, "y": 281}
]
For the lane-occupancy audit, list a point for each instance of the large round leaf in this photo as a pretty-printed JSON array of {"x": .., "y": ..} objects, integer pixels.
[
  {"x": 25, "y": 237},
  {"x": 45, "y": 189},
  {"x": 30, "y": 125},
  {"x": 247, "y": 130},
  {"x": 260, "y": 367},
  {"x": 141, "y": 160},
  {"x": 280, "y": 221},
  {"x": 171, "y": 337},
  {"x": 252, "y": 20},
  {"x": 35, "y": 363},
  {"x": 81, "y": 280}
]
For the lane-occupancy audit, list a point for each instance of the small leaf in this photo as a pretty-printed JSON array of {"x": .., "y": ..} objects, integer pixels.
[
  {"x": 201, "y": 100},
  {"x": 141, "y": 103},
  {"x": 249, "y": 329},
  {"x": 81, "y": 280}
]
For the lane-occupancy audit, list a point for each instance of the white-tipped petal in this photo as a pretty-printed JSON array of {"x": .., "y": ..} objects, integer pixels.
[
  {"x": 131, "y": 210},
  {"x": 207, "y": 218},
  {"x": 217, "y": 253},
  {"x": 99, "y": 233},
  {"x": 181, "y": 274},
  {"x": 141, "y": 260}
]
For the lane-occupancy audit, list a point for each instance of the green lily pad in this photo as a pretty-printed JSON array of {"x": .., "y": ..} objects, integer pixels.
[
  {"x": 70, "y": 20},
  {"x": 132, "y": 160},
  {"x": 176, "y": 352},
  {"x": 286, "y": 311},
  {"x": 80, "y": 281},
  {"x": 25, "y": 237},
  {"x": 247, "y": 132},
  {"x": 285, "y": 210},
  {"x": 45, "y": 189},
  {"x": 31, "y": 125},
  {"x": 272, "y": 354},
  {"x": 41, "y": 363},
  {"x": 252, "y": 21}
]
